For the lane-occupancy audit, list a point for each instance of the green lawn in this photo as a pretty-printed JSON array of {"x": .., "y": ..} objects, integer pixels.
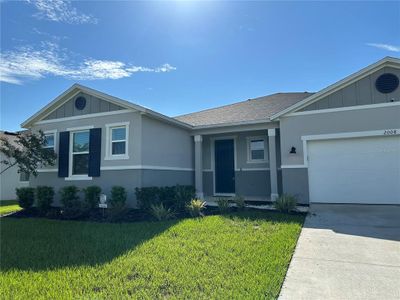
[
  {"x": 242, "y": 255},
  {"x": 9, "y": 206}
]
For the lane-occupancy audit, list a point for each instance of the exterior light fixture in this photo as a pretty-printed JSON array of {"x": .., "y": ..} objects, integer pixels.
[{"x": 293, "y": 150}]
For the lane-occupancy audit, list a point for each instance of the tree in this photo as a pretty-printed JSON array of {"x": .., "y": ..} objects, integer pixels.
[{"x": 27, "y": 151}]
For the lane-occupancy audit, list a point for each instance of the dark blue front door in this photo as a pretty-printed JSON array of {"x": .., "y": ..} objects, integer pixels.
[{"x": 224, "y": 167}]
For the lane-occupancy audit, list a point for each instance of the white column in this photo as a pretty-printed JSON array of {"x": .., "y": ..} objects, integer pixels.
[
  {"x": 198, "y": 165},
  {"x": 272, "y": 164}
]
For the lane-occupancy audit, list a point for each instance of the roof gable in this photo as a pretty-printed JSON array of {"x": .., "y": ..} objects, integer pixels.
[{"x": 387, "y": 62}]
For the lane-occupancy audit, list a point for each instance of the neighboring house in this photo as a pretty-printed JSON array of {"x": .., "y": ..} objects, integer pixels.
[
  {"x": 10, "y": 179},
  {"x": 339, "y": 145}
]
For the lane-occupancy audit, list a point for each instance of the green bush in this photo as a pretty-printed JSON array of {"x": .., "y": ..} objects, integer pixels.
[
  {"x": 175, "y": 197},
  {"x": 92, "y": 196},
  {"x": 223, "y": 204},
  {"x": 239, "y": 201},
  {"x": 196, "y": 207},
  {"x": 118, "y": 197},
  {"x": 72, "y": 206},
  {"x": 285, "y": 203},
  {"x": 44, "y": 197},
  {"x": 26, "y": 196},
  {"x": 161, "y": 213}
]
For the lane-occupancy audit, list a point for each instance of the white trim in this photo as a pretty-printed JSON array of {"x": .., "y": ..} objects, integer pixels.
[
  {"x": 249, "y": 139},
  {"x": 94, "y": 115},
  {"x": 224, "y": 194},
  {"x": 347, "y": 108},
  {"x": 385, "y": 62},
  {"x": 109, "y": 155},
  {"x": 144, "y": 167},
  {"x": 198, "y": 138},
  {"x": 46, "y": 170},
  {"x": 78, "y": 177},
  {"x": 345, "y": 135},
  {"x": 54, "y": 133},
  {"x": 80, "y": 128},
  {"x": 253, "y": 169},
  {"x": 293, "y": 166},
  {"x": 272, "y": 132},
  {"x": 212, "y": 145}
]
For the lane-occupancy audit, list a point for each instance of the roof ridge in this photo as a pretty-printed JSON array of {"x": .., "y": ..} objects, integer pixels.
[{"x": 239, "y": 102}]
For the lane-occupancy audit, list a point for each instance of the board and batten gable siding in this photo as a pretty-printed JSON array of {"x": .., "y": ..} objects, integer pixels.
[
  {"x": 362, "y": 92},
  {"x": 93, "y": 105}
]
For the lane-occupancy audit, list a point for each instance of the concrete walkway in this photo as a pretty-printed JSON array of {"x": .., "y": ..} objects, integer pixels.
[{"x": 346, "y": 252}]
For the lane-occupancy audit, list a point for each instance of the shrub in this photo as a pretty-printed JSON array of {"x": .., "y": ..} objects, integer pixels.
[
  {"x": 44, "y": 196},
  {"x": 196, "y": 207},
  {"x": 183, "y": 196},
  {"x": 175, "y": 197},
  {"x": 26, "y": 196},
  {"x": 92, "y": 196},
  {"x": 118, "y": 197},
  {"x": 70, "y": 201},
  {"x": 223, "y": 204},
  {"x": 161, "y": 213},
  {"x": 239, "y": 201},
  {"x": 285, "y": 203}
]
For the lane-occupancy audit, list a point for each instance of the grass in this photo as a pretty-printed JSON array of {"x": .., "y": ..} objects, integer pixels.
[
  {"x": 235, "y": 256},
  {"x": 9, "y": 206}
]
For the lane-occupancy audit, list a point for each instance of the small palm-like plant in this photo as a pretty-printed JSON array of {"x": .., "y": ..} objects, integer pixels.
[
  {"x": 223, "y": 204},
  {"x": 239, "y": 201},
  {"x": 285, "y": 203},
  {"x": 161, "y": 213},
  {"x": 196, "y": 207}
]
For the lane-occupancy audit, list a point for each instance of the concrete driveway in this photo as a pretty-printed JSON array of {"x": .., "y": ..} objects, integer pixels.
[{"x": 346, "y": 252}]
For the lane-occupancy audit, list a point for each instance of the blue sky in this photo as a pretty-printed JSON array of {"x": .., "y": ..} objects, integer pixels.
[{"x": 179, "y": 57}]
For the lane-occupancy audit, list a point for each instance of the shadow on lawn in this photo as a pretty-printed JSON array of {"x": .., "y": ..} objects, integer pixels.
[{"x": 40, "y": 244}]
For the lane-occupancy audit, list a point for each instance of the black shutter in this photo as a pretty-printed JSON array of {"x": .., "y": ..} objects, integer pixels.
[
  {"x": 94, "y": 152},
  {"x": 63, "y": 154}
]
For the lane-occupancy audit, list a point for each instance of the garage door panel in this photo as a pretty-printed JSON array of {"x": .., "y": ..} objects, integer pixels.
[{"x": 357, "y": 170}]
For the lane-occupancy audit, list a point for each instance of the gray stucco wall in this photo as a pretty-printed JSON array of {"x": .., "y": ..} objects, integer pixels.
[
  {"x": 359, "y": 93},
  {"x": 93, "y": 105},
  {"x": 295, "y": 180},
  {"x": 165, "y": 145}
]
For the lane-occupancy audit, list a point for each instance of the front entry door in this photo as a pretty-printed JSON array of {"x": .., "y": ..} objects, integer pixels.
[{"x": 224, "y": 166}]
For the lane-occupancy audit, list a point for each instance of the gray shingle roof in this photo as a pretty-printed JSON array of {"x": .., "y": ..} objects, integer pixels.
[{"x": 256, "y": 109}]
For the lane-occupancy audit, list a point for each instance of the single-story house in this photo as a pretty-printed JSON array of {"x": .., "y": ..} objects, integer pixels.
[
  {"x": 339, "y": 145},
  {"x": 10, "y": 179}
]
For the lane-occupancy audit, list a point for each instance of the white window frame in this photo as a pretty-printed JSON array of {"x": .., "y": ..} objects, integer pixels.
[
  {"x": 109, "y": 141},
  {"x": 71, "y": 154},
  {"x": 54, "y": 134},
  {"x": 249, "y": 158}
]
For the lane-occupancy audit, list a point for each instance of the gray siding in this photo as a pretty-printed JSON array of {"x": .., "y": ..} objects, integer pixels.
[
  {"x": 361, "y": 92},
  {"x": 166, "y": 145},
  {"x": 166, "y": 178},
  {"x": 93, "y": 105}
]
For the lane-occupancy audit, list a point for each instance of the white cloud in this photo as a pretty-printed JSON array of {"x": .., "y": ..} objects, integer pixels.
[
  {"x": 385, "y": 47},
  {"x": 60, "y": 11},
  {"x": 51, "y": 60}
]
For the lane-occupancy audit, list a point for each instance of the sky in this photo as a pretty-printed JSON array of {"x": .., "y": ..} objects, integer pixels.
[{"x": 180, "y": 57}]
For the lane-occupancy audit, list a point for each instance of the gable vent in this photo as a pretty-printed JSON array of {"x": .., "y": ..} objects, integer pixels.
[{"x": 387, "y": 83}]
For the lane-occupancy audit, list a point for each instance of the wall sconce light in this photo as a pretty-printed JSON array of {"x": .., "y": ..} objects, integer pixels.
[{"x": 293, "y": 150}]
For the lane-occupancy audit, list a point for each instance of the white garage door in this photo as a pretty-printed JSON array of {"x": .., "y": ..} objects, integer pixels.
[{"x": 355, "y": 170}]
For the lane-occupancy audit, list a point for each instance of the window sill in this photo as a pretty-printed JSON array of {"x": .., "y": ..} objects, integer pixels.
[
  {"x": 116, "y": 157},
  {"x": 78, "y": 177},
  {"x": 257, "y": 161}
]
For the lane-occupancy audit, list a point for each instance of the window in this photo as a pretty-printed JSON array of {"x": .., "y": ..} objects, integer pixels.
[
  {"x": 118, "y": 140},
  {"x": 23, "y": 176},
  {"x": 256, "y": 149},
  {"x": 80, "y": 152},
  {"x": 117, "y": 135}
]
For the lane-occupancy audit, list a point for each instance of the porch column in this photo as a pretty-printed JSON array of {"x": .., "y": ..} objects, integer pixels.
[
  {"x": 198, "y": 165},
  {"x": 272, "y": 164}
]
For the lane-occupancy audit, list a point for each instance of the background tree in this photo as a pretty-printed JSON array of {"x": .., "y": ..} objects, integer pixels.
[{"x": 27, "y": 151}]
